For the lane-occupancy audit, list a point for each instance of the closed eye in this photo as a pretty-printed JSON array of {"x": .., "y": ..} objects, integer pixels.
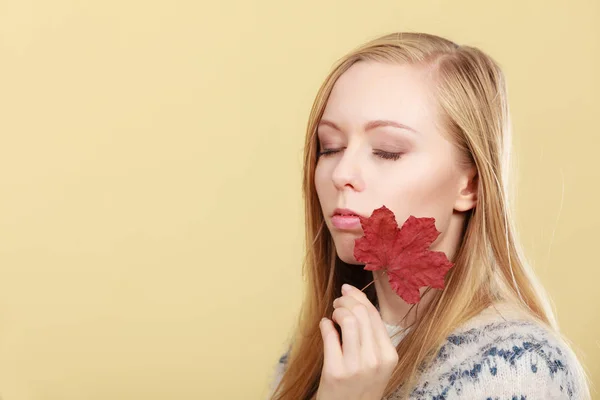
[
  {"x": 386, "y": 155},
  {"x": 326, "y": 152}
]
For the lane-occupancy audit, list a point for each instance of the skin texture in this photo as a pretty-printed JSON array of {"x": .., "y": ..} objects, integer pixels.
[{"x": 413, "y": 170}]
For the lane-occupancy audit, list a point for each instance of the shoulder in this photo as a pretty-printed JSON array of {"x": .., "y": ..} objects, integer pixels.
[
  {"x": 497, "y": 356},
  {"x": 277, "y": 372}
]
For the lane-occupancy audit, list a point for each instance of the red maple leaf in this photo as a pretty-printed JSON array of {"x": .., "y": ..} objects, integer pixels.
[{"x": 402, "y": 253}]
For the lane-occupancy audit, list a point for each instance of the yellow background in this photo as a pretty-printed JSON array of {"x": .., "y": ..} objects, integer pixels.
[{"x": 150, "y": 159}]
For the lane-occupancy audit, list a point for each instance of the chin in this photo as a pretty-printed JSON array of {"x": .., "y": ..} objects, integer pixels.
[
  {"x": 346, "y": 255},
  {"x": 344, "y": 246}
]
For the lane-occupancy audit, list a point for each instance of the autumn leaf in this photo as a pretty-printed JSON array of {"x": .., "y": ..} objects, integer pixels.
[{"x": 402, "y": 253}]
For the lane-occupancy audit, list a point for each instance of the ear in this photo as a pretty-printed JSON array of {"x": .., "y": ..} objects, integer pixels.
[{"x": 467, "y": 190}]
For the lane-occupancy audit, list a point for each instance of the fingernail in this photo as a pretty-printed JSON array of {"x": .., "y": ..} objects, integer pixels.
[{"x": 345, "y": 287}]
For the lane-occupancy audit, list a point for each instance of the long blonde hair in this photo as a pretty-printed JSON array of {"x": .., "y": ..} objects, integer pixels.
[{"x": 489, "y": 266}]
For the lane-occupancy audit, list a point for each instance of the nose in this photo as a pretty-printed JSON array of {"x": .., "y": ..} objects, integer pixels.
[{"x": 347, "y": 172}]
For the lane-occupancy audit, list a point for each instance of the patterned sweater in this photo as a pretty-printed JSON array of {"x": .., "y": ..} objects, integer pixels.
[{"x": 498, "y": 355}]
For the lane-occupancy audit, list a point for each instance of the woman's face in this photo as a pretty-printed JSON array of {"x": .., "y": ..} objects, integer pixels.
[{"x": 380, "y": 145}]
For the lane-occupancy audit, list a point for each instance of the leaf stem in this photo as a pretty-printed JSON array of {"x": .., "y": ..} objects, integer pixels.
[{"x": 373, "y": 281}]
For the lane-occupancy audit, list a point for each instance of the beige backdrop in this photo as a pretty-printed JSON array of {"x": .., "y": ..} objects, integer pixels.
[{"x": 151, "y": 215}]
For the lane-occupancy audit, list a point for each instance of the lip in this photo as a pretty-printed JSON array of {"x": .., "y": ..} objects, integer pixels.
[{"x": 345, "y": 219}]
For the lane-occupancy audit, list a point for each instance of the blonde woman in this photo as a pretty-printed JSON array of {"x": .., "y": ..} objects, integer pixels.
[{"x": 421, "y": 125}]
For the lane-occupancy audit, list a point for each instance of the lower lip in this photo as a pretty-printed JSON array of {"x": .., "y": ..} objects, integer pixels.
[{"x": 345, "y": 221}]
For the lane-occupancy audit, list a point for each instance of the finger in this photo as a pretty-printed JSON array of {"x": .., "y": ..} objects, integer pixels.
[
  {"x": 333, "y": 358},
  {"x": 359, "y": 296},
  {"x": 350, "y": 335},
  {"x": 380, "y": 333},
  {"x": 365, "y": 326}
]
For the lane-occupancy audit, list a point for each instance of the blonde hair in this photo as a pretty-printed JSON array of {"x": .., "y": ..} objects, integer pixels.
[{"x": 489, "y": 266}]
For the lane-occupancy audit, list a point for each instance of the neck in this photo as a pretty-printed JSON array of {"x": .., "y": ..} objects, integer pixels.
[{"x": 393, "y": 309}]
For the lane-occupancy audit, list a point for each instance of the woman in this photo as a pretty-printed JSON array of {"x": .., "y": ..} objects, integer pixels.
[{"x": 421, "y": 125}]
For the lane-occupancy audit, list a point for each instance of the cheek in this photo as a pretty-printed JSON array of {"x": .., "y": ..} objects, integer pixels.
[
  {"x": 433, "y": 184},
  {"x": 427, "y": 191},
  {"x": 322, "y": 180}
]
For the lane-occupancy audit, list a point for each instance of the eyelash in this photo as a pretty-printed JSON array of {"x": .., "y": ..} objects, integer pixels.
[{"x": 381, "y": 154}]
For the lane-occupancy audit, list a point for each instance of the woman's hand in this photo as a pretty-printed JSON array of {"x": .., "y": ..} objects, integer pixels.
[{"x": 360, "y": 368}]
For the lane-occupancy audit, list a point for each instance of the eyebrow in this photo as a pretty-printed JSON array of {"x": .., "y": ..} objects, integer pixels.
[{"x": 378, "y": 123}]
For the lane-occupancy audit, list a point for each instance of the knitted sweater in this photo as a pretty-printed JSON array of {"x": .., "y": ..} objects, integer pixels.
[{"x": 498, "y": 355}]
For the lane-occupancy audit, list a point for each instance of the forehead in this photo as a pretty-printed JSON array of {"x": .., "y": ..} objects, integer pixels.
[{"x": 373, "y": 90}]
